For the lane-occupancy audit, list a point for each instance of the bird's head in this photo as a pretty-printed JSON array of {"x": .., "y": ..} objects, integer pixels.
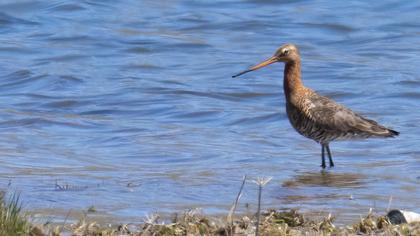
[{"x": 286, "y": 53}]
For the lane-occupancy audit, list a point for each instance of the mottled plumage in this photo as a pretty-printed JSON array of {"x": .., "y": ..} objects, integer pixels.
[
  {"x": 323, "y": 120},
  {"x": 315, "y": 116}
]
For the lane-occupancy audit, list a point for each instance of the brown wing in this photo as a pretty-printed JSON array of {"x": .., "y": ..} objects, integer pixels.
[{"x": 337, "y": 118}]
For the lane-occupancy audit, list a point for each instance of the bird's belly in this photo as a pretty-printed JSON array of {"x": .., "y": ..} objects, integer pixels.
[{"x": 308, "y": 128}]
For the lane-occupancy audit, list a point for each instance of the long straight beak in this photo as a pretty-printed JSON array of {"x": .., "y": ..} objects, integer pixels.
[{"x": 267, "y": 62}]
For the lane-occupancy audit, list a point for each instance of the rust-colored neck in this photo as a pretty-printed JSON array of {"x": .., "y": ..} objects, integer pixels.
[{"x": 292, "y": 82}]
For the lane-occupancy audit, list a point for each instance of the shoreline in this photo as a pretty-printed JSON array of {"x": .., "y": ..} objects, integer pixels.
[
  {"x": 195, "y": 222},
  {"x": 15, "y": 221}
]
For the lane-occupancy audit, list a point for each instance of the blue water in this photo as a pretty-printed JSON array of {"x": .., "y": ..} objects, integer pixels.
[{"x": 129, "y": 106}]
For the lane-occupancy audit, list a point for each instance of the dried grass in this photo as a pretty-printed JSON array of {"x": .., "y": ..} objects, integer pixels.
[{"x": 194, "y": 222}]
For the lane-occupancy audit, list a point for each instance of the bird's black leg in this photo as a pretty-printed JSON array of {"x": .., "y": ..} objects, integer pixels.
[
  {"x": 329, "y": 155},
  {"x": 323, "y": 156}
]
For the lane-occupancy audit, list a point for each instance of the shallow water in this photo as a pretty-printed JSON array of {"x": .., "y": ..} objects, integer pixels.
[{"x": 129, "y": 106}]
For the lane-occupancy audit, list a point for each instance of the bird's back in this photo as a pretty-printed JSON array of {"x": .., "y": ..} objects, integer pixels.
[{"x": 323, "y": 120}]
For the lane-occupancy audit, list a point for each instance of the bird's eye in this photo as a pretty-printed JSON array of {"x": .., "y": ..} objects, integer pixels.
[{"x": 285, "y": 52}]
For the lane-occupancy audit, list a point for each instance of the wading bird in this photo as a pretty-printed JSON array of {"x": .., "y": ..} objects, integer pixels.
[{"x": 315, "y": 116}]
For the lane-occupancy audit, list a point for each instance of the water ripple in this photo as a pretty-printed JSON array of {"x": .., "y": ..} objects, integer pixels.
[{"x": 140, "y": 92}]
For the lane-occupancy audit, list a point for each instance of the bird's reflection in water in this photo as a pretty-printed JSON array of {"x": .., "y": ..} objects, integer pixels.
[{"x": 326, "y": 179}]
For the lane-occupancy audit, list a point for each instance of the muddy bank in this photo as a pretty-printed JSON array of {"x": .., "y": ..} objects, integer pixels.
[{"x": 194, "y": 222}]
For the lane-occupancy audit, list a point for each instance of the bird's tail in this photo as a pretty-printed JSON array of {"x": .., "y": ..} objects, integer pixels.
[
  {"x": 392, "y": 133},
  {"x": 378, "y": 130}
]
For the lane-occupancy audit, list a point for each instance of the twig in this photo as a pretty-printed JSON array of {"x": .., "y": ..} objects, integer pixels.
[
  {"x": 389, "y": 204},
  {"x": 261, "y": 182},
  {"x": 258, "y": 210},
  {"x": 65, "y": 220},
  {"x": 235, "y": 204}
]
